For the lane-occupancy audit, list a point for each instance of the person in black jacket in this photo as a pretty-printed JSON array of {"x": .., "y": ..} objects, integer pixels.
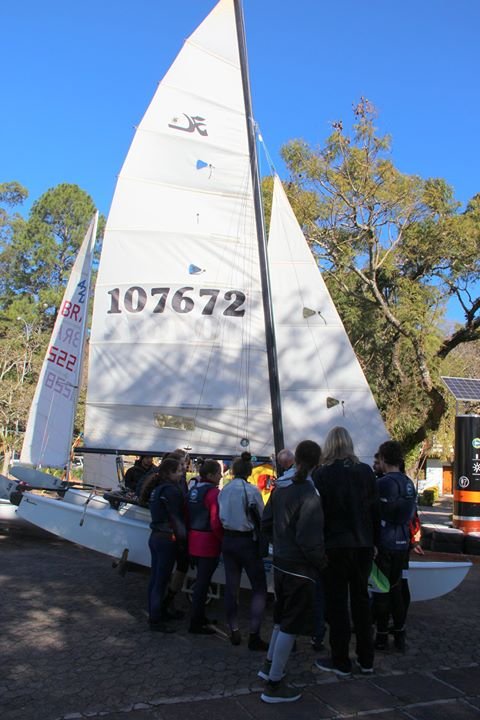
[
  {"x": 293, "y": 518},
  {"x": 351, "y": 515},
  {"x": 163, "y": 494},
  {"x": 141, "y": 470},
  {"x": 397, "y": 509}
]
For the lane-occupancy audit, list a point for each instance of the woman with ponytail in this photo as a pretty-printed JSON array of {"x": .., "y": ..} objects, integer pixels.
[{"x": 205, "y": 534}]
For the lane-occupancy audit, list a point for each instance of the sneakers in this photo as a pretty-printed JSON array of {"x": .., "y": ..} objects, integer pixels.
[
  {"x": 209, "y": 621},
  {"x": 364, "y": 670},
  {"x": 255, "y": 642},
  {"x": 279, "y": 692},
  {"x": 327, "y": 666},
  {"x": 235, "y": 637},
  {"x": 264, "y": 671},
  {"x": 317, "y": 644}
]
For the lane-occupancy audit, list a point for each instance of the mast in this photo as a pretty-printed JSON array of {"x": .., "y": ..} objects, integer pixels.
[{"x": 261, "y": 236}]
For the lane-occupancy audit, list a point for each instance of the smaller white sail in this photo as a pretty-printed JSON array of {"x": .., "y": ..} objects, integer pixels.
[
  {"x": 321, "y": 382},
  {"x": 48, "y": 436}
]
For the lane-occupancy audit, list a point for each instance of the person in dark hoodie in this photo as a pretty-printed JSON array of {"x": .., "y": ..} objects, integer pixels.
[
  {"x": 350, "y": 505},
  {"x": 136, "y": 475},
  {"x": 165, "y": 499},
  {"x": 397, "y": 509},
  {"x": 293, "y": 517}
]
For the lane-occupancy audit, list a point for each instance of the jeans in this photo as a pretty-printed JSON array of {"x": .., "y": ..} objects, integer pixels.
[{"x": 163, "y": 551}]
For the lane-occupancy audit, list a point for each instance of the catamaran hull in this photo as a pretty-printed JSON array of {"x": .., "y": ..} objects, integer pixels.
[
  {"x": 90, "y": 521},
  {"x": 11, "y": 522},
  {"x": 429, "y": 580}
]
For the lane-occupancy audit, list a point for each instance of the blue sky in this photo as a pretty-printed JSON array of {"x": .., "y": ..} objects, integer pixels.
[{"x": 78, "y": 76}]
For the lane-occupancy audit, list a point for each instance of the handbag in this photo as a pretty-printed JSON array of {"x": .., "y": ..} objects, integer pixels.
[{"x": 253, "y": 515}]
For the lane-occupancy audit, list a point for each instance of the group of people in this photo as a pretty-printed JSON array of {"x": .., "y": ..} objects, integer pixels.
[
  {"x": 329, "y": 518},
  {"x": 194, "y": 523}
]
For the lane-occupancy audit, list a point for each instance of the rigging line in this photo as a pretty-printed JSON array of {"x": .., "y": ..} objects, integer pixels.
[{"x": 261, "y": 141}]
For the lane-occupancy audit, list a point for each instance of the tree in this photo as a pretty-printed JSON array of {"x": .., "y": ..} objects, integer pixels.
[
  {"x": 395, "y": 249},
  {"x": 21, "y": 351},
  {"x": 39, "y": 257}
]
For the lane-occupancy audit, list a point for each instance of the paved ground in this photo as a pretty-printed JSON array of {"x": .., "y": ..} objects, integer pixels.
[{"x": 74, "y": 644}]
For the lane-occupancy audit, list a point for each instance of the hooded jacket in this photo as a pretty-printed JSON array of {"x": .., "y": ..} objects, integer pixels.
[
  {"x": 167, "y": 509},
  {"x": 397, "y": 509},
  {"x": 293, "y": 518},
  {"x": 136, "y": 476}
]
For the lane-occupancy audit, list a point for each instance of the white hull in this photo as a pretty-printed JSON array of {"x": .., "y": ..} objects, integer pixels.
[
  {"x": 428, "y": 580},
  {"x": 10, "y": 520},
  {"x": 7, "y": 513},
  {"x": 89, "y": 520}
]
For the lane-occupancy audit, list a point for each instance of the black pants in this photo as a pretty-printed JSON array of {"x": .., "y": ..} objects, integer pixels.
[
  {"x": 347, "y": 576},
  {"x": 391, "y": 563},
  {"x": 206, "y": 566},
  {"x": 240, "y": 553}
]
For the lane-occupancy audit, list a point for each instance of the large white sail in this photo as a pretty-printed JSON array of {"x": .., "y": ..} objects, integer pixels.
[
  {"x": 48, "y": 436},
  {"x": 321, "y": 381},
  {"x": 177, "y": 348}
]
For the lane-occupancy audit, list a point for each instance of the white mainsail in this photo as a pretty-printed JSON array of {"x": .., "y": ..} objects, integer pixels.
[
  {"x": 48, "y": 436},
  {"x": 177, "y": 348},
  {"x": 317, "y": 364}
]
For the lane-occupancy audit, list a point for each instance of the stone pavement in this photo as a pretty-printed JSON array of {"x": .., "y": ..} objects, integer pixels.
[{"x": 74, "y": 644}]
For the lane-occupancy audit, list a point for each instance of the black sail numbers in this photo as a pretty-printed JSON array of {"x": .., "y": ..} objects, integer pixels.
[{"x": 210, "y": 301}]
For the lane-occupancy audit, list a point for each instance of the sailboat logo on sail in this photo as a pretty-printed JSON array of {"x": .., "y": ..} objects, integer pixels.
[{"x": 195, "y": 122}]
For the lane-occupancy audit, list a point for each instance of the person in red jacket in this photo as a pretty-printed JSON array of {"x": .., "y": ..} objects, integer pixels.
[{"x": 205, "y": 535}]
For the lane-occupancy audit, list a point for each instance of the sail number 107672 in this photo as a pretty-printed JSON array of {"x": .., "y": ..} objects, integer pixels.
[{"x": 208, "y": 301}]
